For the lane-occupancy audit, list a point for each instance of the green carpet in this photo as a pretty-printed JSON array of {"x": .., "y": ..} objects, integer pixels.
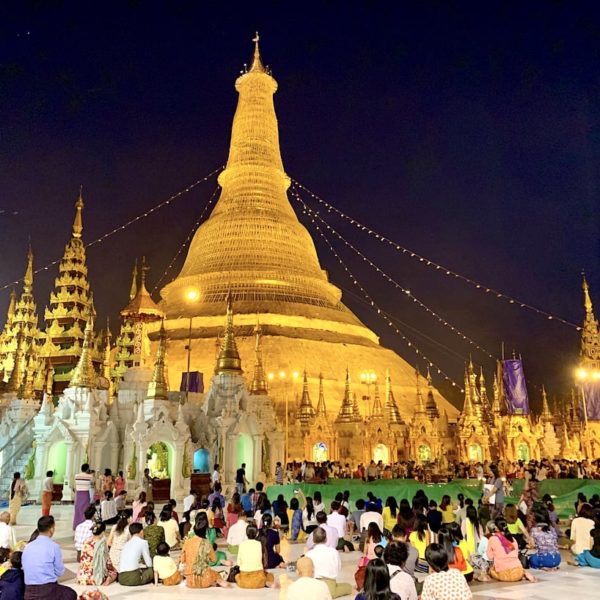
[{"x": 563, "y": 491}]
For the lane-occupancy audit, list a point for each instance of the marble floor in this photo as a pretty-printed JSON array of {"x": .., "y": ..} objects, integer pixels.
[{"x": 552, "y": 586}]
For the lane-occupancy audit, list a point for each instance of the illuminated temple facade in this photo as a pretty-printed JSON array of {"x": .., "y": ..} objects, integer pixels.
[{"x": 296, "y": 375}]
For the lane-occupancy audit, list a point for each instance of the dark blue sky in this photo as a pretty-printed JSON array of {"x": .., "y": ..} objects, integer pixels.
[{"x": 469, "y": 133}]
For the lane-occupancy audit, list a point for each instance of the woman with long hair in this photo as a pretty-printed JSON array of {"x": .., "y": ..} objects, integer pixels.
[
  {"x": 461, "y": 544},
  {"x": 503, "y": 551},
  {"x": 295, "y": 520},
  {"x": 170, "y": 527},
  {"x": 18, "y": 491},
  {"x": 581, "y": 526},
  {"x": 234, "y": 509},
  {"x": 529, "y": 497},
  {"x": 390, "y": 513},
  {"x": 280, "y": 509},
  {"x": 406, "y": 516},
  {"x": 447, "y": 510},
  {"x": 318, "y": 502},
  {"x": 196, "y": 555},
  {"x": 272, "y": 543},
  {"x": 263, "y": 506},
  {"x": 120, "y": 484},
  {"x": 118, "y": 537},
  {"x": 443, "y": 582},
  {"x": 456, "y": 560},
  {"x": 309, "y": 516},
  {"x": 95, "y": 566},
  {"x": 137, "y": 507},
  {"x": 250, "y": 561},
  {"x": 471, "y": 529},
  {"x": 373, "y": 539},
  {"x": 420, "y": 538},
  {"x": 516, "y": 526},
  {"x": 377, "y": 582},
  {"x": 547, "y": 556}
]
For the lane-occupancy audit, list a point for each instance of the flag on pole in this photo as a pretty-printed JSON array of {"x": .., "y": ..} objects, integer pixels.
[{"x": 515, "y": 387}]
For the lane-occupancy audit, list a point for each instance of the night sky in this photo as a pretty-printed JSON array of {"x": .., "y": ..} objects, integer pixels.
[{"x": 469, "y": 133}]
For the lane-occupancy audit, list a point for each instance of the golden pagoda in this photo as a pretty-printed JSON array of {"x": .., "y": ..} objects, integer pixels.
[
  {"x": 21, "y": 320},
  {"x": 253, "y": 246},
  {"x": 70, "y": 304}
]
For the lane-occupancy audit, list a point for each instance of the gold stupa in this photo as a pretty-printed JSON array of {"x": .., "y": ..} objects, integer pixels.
[{"x": 254, "y": 250}]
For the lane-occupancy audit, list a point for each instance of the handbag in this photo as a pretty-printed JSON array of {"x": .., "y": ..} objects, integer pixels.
[{"x": 232, "y": 573}]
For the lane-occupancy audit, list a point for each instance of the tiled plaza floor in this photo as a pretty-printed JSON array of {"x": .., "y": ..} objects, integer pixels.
[{"x": 567, "y": 583}]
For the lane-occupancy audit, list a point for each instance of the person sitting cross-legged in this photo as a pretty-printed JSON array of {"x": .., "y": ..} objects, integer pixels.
[
  {"x": 327, "y": 564},
  {"x": 443, "y": 583},
  {"x": 133, "y": 552}
]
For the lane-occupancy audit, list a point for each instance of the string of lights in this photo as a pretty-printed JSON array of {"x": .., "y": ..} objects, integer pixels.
[
  {"x": 434, "y": 265},
  {"x": 116, "y": 230},
  {"x": 379, "y": 311},
  {"x": 406, "y": 291},
  {"x": 188, "y": 238}
]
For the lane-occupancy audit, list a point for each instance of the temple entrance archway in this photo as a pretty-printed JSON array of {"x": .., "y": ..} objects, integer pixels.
[
  {"x": 57, "y": 461},
  {"x": 475, "y": 453},
  {"x": 424, "y": 453},
  {"x": 245, "y": 453},
  {"x": 523, "y": 452},
  {"x": 320, "y": 452},
  {"x": 201, "y": 461},
  {"x": 381, "y": 453}
]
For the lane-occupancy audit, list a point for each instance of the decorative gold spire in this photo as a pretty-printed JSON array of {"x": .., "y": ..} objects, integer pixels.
[
  {"x": 377, "y": 412},
  {"x": 546, "y": 416},
  {"x": 259, "y": 383},
  {"x": 587, "y": 301},
  {"x": 468, "y": 404},
  {"x": 420, "y": 408},
  {"x": 28, "y": 277},
  {"x": 134, "y": 276},
  {"x": 78, "y": 220},
  {"x": 321, "y": 408},
  {"x": 158, "y": 388},
  {"x": 391, "y": 408},
  {"x": 84, "y": 374},
  {"x": 16, "y": 377},
  {"x": 346, "y": 413},
  {"x": 485, "y": 402},
  {"x": 10, "y": 313},
  {"x": 229, "y": 358},
  {"x": 356, "y": 416},
  {"x": 590, "y": 333},
  {"x": 257, "y": 65},
  {"x": 49, "y": 379},
  {"x": 306, "y": 411},
  {"x": 431, "y": 405},
  {"x": 27, "y": 385}
]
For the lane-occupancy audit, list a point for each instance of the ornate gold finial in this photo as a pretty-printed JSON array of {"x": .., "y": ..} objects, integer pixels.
[
  {"x": 346, "y": 413},
  {"x": 84, "y": 374},
  {"x": 259, "y": 384},
  {"x": 28, "y": 277},
  {"x": 158, "y": 388},
  {"x": 78, "y": 221},
  {"x": 377, "y": 411},
  {"x": 468, "y": 404},
  {"x": 256, "y": 60},
  {"x": 16, "y": 376},
  {"x": 391, "y": 408},
  {"x": 134, "y": 276},
  {"x": 306, "y": 412},
  {"x": 321, "y": 408},
  {"x": 420, "y": 408},
  {"x": 229, "y": 358},
  {"x": 586, "y": 295},
  {"x": 10, "y": 313}
]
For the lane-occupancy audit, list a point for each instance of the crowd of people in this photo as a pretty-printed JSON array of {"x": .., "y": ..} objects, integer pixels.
[{"x": 404, "y": 548}]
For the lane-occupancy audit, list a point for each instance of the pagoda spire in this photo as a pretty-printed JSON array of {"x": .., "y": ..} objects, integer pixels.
[
  {"x": 590, "y": 333},
  {"x": 158, "y": 388},
  {"x": 106, "y": 362},
  {"x": 229, "y": 358},
  {"x": 134, "y": 279},
  {"x": 16, "y": 377},
  {"x": 430, "y": 405},
  {"x": 27, "y": 385},
  {"x": 10, "y": 313},
  {"x": 420, "y": 408},
  {"x": 306, "y": 411},
  {"x": 321, "y": 408},
  {"x": 84, "y": 374},
  {"x": 587, "y": 301},
  {"x": 391, "y": 408},
  {"x": 257, "y": 65},
  {"x": 346, "y": 413},
  {"x": 78, "y": 220},
  {"x": 259, "y": 383},
  {"x": 28, "y": 277},
  {"x": 377, "y": 412},
  {"x": 546, "y": 416},
  {"x": 467, "y": 410}
]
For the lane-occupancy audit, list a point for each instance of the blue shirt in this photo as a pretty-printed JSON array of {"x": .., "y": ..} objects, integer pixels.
[
  {"x": 246, "y": 502},
  {"x": 42, "y": 561}
]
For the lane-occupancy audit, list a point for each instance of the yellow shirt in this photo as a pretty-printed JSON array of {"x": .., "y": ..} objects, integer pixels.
[
  {"x": 164, "y": 565},
  {"x": 464, "y": 548},
  {"x": 389, "y": 522},
  {"x": 171, "y": 531},
  {"x": 448, "y": 514},
  {"x": 420, "y": 545},
  {"x": 249, "y": 556}
]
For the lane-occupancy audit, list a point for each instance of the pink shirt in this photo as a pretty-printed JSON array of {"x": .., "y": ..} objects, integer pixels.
[{"x": 503, "y": 560}]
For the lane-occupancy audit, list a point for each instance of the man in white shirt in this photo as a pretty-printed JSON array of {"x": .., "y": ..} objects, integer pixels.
[
  {"x": 327, "y": 564},
  {"x": 237, "y": 534},
  {"x": 188, "y": 501},
  {"x": 306, "y": 586},
  {"x": 371, "y": 516},
  {"x": 215, "y": 477},
  {"x": 338, "y": 522},
  {"x": 7, "y": 533},
  {"x": 133, "y": 552},
  {"x": 401, "y": 583},
  {"x": 330, "y": 532}
]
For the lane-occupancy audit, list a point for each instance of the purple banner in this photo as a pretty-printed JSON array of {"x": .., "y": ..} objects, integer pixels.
[
  {"x": 591, "y": 393},
  {"x": 196, "y": 382},
  {"x": 515, "y": 388}
]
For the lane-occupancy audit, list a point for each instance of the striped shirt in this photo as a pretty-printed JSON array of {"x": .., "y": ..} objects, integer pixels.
[{"x": 84, "y": 482}]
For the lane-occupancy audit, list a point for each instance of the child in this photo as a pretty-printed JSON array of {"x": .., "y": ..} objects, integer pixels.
[
  {"x": 164, "y": 566},
  {"x": 12, "y": 585}
]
